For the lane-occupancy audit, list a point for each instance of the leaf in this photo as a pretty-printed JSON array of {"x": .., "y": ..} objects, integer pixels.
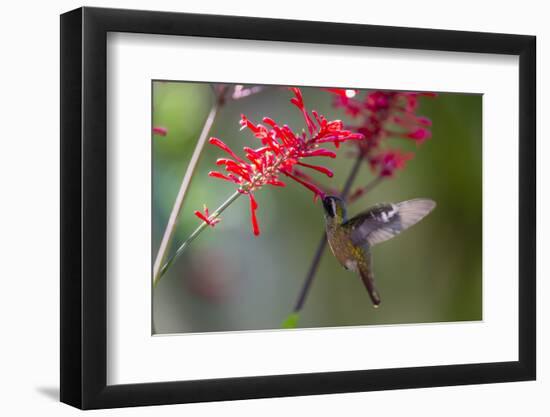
[{"x": 291, "y": 322}]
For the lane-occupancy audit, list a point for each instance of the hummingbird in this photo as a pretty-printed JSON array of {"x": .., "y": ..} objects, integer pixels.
[{"x": 351, "y": 240}]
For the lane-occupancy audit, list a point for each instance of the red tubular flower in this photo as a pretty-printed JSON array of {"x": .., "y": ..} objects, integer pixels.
[
  {"x": 310, "y": 180},
  {"x": 161, "y": 131},
  {"x": 206, "y": 217},
  {"x": 419, "y": 135},
  {"x": 253, "y": 208},
  {"x": 298, "y": 101},
  {"x": 387, "y": 162},
  {"x": 385, "y": 114},
  {"x": 281, "y": 151},
  {"x": 323, "y": 170},
  {"x": 342, "y": 92}
]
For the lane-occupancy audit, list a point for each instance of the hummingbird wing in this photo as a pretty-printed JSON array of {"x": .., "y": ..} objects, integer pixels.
[{"x": 384, "y": 221}]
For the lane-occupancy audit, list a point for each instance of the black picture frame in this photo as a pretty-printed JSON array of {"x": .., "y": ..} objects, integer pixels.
[{"x": 84, "y": 207}]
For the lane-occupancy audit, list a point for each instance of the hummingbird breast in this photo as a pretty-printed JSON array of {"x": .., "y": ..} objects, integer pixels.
[{"x": 349, "y": 255}]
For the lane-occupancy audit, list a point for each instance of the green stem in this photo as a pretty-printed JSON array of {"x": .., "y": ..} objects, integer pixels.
[
  {"x": 194, "y": 235},
  {"x": 178, "y": 203}
]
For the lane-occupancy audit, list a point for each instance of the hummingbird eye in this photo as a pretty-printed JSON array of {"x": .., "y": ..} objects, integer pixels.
[{"x": 329, "y": 205}]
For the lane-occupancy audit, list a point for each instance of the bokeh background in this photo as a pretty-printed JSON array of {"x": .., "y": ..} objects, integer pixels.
[{"x": 230, "y": 280}]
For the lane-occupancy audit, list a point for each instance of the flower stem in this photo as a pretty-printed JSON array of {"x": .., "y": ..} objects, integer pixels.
[
  {"x": 306, "y": 286},
  {"x": 195, "y": 233},
  {"x": 176, "y": 209}
]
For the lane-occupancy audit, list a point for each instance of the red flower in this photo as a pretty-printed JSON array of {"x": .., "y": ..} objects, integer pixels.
[
  {"x": 161, "y": 131},
  {"x": 206, "y": 217},
  {"x": 419, "y": 135},
  {"x": 382, "y": 115},
  {"x": 253, "y": 208},
  {"x": 378, "y": 100},
  {"x": 387, "y": 162},
  {"x": 342, "y": 92},
  {"x": 281, "y": 151},
  {"x": 345, "y": 98}
]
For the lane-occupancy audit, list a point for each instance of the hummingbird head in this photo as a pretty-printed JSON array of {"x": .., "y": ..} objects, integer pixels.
[{"x": 335, "y": 208}]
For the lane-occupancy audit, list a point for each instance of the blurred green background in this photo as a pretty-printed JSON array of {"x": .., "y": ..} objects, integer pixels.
[{"x": 230, "y": 280}]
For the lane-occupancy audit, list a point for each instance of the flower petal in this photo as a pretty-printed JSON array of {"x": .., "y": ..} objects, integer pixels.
[
  {"x": 224, "y": 147},
  {"x": 318, "y": 168},
  {"x": 253, "y": 207},
  {"x": 161, "y": 131}
]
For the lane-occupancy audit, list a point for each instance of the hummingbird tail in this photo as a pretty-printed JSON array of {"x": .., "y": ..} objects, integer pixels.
[{"x": 368, "y": 279}]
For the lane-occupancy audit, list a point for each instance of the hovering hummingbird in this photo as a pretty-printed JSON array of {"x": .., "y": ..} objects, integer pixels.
[{"x": 351, "y": 240}]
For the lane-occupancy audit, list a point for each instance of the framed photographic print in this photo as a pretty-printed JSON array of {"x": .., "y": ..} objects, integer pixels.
[{"x": 258, "y": 208}]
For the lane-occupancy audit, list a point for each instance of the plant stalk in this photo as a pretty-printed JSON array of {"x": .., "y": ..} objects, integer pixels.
[
  {"x": 195, "y": 233},
  {"x": 178, "y": 203}
]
